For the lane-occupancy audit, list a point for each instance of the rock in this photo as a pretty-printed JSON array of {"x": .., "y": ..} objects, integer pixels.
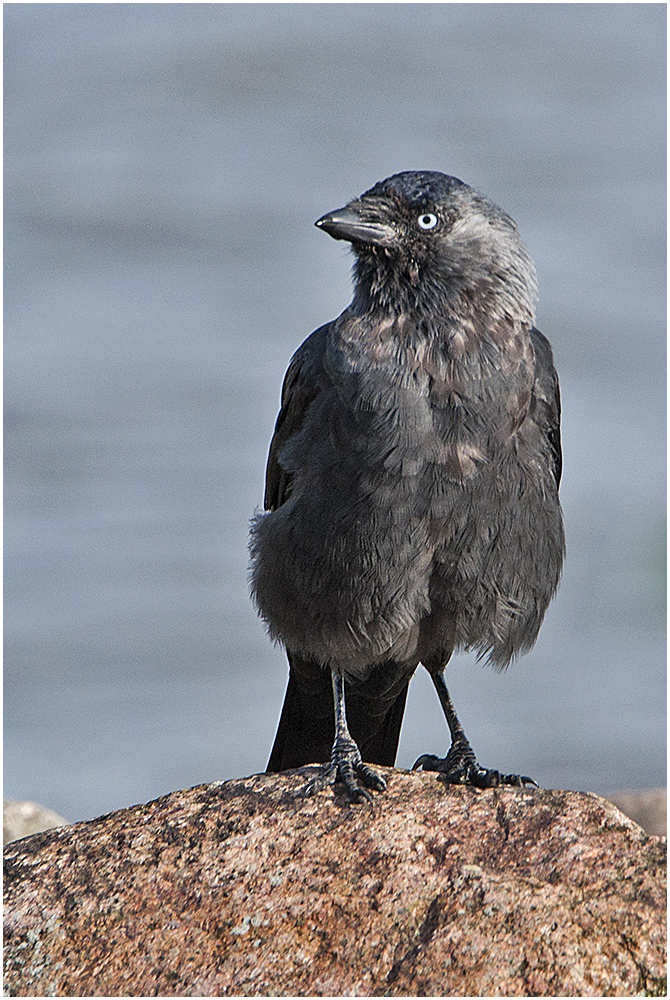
[
  {"x": 649, "y": 809},
  {"x": 246, "y": 888},
  {"x": 22, "y": 819}
]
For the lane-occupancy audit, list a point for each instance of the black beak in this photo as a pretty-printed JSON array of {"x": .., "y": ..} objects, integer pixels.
[{"x": 350, "y": 223}]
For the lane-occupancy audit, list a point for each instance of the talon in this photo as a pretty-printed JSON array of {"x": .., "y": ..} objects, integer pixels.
[
  {"x": 371, "y": 778},
  {"x": 346, "y": 765},
  {"x": 363, "y": 793},
  {"x": 460, "y": 767},
  {"x": 518, "y": 779},
  {"x": 427, "y": 761}
]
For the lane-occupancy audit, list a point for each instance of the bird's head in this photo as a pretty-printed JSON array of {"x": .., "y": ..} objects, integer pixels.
[{"x": 424, "y": 240}]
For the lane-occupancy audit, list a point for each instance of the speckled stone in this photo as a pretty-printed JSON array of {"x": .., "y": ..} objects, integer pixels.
[{"x": 246, "y": 888}]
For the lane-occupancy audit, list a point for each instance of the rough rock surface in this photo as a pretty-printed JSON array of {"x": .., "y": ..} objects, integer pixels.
[
  {"x": 245, "y": 888},
  {"x": 22, "y": 819},
  {"x": 648, "y": 808}
]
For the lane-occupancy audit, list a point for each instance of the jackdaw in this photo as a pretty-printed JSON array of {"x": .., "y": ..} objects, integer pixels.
[{"x": 412, "y": 483}]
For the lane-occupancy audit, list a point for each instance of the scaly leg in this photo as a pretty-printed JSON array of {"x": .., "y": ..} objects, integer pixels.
[
  {"x": 345, "y": 761},
  {"x": 460, "y": 766}
]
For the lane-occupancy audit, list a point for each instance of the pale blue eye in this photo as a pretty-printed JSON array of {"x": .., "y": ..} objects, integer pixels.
[{"x": 427, "y": 221}]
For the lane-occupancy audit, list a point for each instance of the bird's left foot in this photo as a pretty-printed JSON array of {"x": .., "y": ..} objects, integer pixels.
[
  {"x": 346, "y": 765},
  {"x": 460, "y": 767}
]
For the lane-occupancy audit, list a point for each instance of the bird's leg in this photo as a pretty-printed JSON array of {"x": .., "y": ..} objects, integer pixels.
[
  {"x": 345, "y": 761},
  {"x": 460, "y": 766}
]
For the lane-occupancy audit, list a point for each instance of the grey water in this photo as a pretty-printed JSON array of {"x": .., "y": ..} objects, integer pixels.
[{"x": 164, "y": 165}]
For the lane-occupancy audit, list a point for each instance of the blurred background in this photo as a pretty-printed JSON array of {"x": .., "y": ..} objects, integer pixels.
[{"x": 164, "y": 165}]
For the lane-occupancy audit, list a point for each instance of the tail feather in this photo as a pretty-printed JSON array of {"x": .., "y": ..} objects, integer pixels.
[{"x": 375, "y": 710}]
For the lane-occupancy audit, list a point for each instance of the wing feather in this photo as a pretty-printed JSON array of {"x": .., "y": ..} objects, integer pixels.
[
  {"x": 302, "y": 384},
  {"x": 547, "y": 397}
]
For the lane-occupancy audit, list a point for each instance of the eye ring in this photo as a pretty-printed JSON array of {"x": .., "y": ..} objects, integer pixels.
[{"x": 427, "y": 220}]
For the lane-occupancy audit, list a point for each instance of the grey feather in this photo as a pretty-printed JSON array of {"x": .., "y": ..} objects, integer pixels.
[{"x": 412, "y": 484}]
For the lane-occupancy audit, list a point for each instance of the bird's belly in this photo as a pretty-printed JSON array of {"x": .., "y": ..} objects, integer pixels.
[
  {"x": 342, "y": 577},
  {"x": 364, "y": 551},
  {"x": 497, "y": 558}
]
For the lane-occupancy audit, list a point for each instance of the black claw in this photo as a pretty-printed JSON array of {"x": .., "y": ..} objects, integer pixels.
[
  {"x": 460, "y": 767},
  {"x": 428, "y": 762},
  {"x": 371, "y": 778},
  {"x": 519, "y": 779},
  {"x": 346, "y": 765}
]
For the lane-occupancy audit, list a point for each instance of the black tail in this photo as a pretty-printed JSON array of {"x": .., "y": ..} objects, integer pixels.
[{"x": 375, "y": 709}]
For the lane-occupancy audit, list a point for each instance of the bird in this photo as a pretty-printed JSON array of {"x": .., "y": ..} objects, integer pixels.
[{"x": 411, "y": 498}]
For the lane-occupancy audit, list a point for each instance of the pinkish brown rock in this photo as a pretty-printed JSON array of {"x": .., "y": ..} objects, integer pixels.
[{"x": 243, "y": 889}]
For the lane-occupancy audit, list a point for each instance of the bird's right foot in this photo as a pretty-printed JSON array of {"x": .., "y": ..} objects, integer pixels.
[{"x": 346, "y": 765}]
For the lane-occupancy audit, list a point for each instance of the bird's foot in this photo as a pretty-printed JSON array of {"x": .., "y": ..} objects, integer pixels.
[
  {"x": 346, "y": 765},
  {"x": 460, "y": 767}
]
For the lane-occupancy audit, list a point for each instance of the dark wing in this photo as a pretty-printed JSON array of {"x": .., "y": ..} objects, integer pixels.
[
  {"x": 547, "y": 400},
  {"x": 306, "y": 727},
  {"x": 375, "y": 709},
  {"x": 301, "y": 387}
]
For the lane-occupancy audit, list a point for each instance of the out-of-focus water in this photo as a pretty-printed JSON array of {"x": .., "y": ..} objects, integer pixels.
[{"x": 164, "y": 164}]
